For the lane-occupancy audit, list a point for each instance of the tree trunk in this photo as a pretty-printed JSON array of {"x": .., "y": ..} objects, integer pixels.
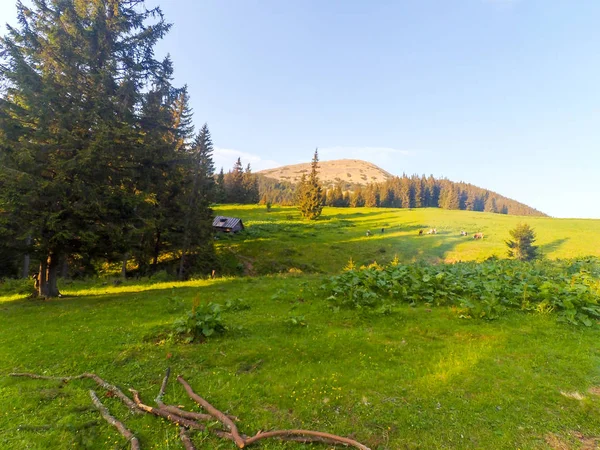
[
  {"x": 64, "y": 271},
  {"x": 48, "y": 277},
  {"x": 26, "y": 259},
  {"x": 182, "y": 263},
  {"x": 156, "y": 251},
  {"x": 124, "y": 266}
]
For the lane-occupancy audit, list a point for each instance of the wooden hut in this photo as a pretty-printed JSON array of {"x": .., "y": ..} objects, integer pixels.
[{"x": 228, "y": 224}]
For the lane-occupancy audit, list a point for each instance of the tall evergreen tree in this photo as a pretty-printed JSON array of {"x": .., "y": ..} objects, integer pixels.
[
  {"x": 197, "y": 228},
  {"x": 521, "y": 246},
  {"x": 250, "y": 185},
  {"x": 220, "y": 193},
  {"x": 310, "y": 197},
  {"x": 234, "y": 183},
  {"x": 74, "y": 74}
]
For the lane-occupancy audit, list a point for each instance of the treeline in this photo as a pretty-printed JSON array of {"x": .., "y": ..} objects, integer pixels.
[
  {"x": 404, "y": 192},
  {"x": 237, "y": 185},
  {"x": 99, "y": 161}
]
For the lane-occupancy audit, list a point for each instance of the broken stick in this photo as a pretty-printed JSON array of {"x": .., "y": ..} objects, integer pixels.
[
  {"x": 135, "y": 444},
  {"x": 239, "y": 441}
]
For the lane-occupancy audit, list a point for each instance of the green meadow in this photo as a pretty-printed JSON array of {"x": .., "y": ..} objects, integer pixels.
[
  {"x": 279, "y": 240},
  {"x": 416, "y": 377}
]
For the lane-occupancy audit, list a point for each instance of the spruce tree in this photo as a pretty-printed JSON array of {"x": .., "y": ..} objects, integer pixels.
[
  {"x": 310, "y": 192},
  {"x": 250, "y": 186},
  {"x": 234, "y": 182},
  {"x": 70, "y": 155},
  {"x": 521, "y": 246},
  {"x": 220, "y": 193}
]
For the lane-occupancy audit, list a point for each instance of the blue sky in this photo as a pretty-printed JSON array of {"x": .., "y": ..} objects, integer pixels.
[{"x": 503, "y": 94}]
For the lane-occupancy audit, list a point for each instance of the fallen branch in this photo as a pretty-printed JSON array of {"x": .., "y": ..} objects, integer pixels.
[
  {"x": 182, "y": 422},
  {"x": 99, "y": 381},
  {"x": 135, "y": 444},
  {"x": 191, "y": 420},
  {"x": 163, "y": 386},
  {"x": 187, "y": 442},
  {"x": 239, "y": 441},
  {"x": 306, "y": 436},
  {"x": 44, "y": 377},
  {"x": 178, "y": 411}
]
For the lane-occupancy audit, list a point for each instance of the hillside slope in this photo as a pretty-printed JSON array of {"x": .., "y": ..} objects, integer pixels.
[
  {"x": 281, "y": 240},
  {"x": 353, "y": 171}
]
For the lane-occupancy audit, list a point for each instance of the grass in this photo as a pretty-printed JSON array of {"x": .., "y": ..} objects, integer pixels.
[
  {"x": 418, "y": 378},
  {"x": 281, "y": 240}
]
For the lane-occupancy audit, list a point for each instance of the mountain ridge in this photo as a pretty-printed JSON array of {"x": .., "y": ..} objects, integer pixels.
[{"x": 331, "y": 172}]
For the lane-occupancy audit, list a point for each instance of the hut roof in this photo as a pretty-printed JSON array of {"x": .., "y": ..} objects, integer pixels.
[{"x": 227, "y": 222}]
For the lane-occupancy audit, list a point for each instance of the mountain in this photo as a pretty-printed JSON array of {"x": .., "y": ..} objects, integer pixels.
[
  {"x": 352, "y": 182},
  {"x": 347, "y": 171}
]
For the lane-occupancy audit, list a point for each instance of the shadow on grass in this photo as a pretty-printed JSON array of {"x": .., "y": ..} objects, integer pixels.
[{"x": 553, "y": 246}]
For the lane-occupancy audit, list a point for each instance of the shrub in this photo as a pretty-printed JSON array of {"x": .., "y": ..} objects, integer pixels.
[
  {"x": 521, "y": 247},
  {"x": 203, "y": 321},
  {"x": 570, "y": 288}
]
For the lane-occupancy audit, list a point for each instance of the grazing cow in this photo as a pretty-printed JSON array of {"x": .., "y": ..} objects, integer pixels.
[
  {"x": 478, "y": 236},
  {"x": 432, "y": 231},
  {"x": 420, "y": 232},
  {"x": 464, "y": 233}
]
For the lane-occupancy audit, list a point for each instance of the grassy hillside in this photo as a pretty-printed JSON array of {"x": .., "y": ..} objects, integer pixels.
[
  {"x": 417, "y": 377},
  {"x": 351, "y": 171},
  {"x": 281, "y": 240}
]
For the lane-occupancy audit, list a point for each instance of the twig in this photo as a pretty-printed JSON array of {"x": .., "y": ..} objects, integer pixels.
[
  {"x": 175, "y": 418},
  {"x": 115, "y": 390},
  {"x": 163, "y": 386},
  {"x": 189, "y": 414},
  {"x": 135, "y": 444},
  {"x": 239, "y": 441},
  {"x": 314, "y": 436},
  {"x": 99, "y": 381},
  {"x": 44, "y": 377},
  {"x": 187, "y": 442},
  {"x": 178, "y": 411}
]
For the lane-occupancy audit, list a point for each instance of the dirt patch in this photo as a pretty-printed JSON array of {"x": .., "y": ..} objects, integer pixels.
[
  {"x": 587, "y": 442},
  {"x": 556, "y": 442},
  {"x": 594, "y": 390}
]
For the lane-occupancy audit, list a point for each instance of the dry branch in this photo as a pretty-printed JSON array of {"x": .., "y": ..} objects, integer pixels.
[
  {"x": 306, "y": 436},
  {"x": 135, "y": 444},
  {"x": 163, "y": 386},
  {"x": 239, "y": 441},
  {"x": 178, "y": 411},
  {"x": 182, "y": 422},
  {"x": 190, "y": 420},
  {"x": 187, "y": 442},
  {"x": 99, "y": 381}
]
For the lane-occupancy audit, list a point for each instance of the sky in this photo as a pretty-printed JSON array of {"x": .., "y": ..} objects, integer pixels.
[{"x": 503, "y": 94}]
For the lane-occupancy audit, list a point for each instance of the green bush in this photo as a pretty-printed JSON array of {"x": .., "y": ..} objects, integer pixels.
[
  {"x": 570, "y": 288},
  {"x": 203, "y": 321}
]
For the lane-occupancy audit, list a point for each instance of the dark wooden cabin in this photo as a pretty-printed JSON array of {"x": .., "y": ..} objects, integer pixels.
[{"x": 228, "y": 224}]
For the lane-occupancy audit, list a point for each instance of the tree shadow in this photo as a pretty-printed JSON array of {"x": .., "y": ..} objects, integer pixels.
[{"x": 553, "y": 245}]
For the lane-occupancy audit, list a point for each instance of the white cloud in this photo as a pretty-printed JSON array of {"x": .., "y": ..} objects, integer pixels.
[{"x": 226, "y": 158}]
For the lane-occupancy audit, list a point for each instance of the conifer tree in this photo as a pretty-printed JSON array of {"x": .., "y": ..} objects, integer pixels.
[
  {"x": 74, "y": 74},
  {"x": 521, "y": 246},
  {"x": 310, "y": 192},
  {"x": 234, "y": 183},
  {"x": 220, "y": 193},
  {"x": 250, "y": 185}
]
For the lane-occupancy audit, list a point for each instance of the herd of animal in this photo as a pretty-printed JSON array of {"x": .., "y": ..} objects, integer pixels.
[
  {"x": 434, "y": 231},
  {"x": 462, "y": 233}
]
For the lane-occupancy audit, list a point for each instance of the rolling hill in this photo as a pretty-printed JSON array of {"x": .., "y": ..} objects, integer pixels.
[{"x": 352, "y": 171}]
